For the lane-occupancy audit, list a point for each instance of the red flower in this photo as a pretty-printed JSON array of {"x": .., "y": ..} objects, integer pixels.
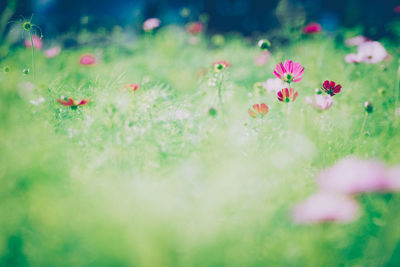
[
  {"x": 312, "y": 28},
  {"x": 131, "y": 86},
  {"x": 194, "y": 28},
  {"x": 258, "y": 110},
  {"x": 69, "y": 102},
  {"x": 331, "y": 88},
  {"x": 287, "y": 95},
  {"x": 87, "y": 59}
]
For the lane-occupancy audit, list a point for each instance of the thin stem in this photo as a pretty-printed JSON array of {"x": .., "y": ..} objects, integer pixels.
[
  {"x": 397, "y": 89},
  {"x": 364, "y": 123},
  {"x": 33, "y": 56},
  {"x": 220, "y": 89}
]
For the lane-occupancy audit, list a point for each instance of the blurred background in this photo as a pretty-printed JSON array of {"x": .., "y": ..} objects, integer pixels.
[{"x": 245, "y": 16}]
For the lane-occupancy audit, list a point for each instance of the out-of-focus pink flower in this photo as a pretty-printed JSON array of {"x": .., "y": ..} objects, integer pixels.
[
  {"x": 194, "y": 28},
  {"x": 289, "y": 72},
  {"x": 325, "y": 207},
  {"x": 356, "y": 41},
  {"x": 273, "y": 84},
  {"x": 151, "y": 24},
  {"x": 87, "y": 59},
  {"x": 221, "y": 65},
  {"x": 393, "y": 175},
  {"x": 353, "y": 58},
  {"x": 259, "y": 110},
  {"x": 353, "y": 176},
  {"x": 37, "y": 42},
  {"x": 69, "y": 102},
  {"x": 312, "y": 28},
  {"x": 287, "y": 95},
  {"x": 262, "y": 59},
  {"x": 372, "y": 52},
  {"x": 397, "y": 9},
  {"x": 52, "y": 52},
  {"x": 131, "y": 87},
  {"x": 320, "y": 102}
]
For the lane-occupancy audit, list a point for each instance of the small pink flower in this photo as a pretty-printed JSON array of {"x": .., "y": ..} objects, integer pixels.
[
  {"x": 87, "y": 59},
  {"x": 353, "y": 176},
  {"x": 356, "y": 41},
  {"x": 325, "y": 207},
  {"x": 320, "y": 102},
  {"x": 52, "y": 52},
  {"x": 37, "y": 42},
  {"x": 131, "y": 87},
  {"x": 151, "y": 24},
  {"x": 312, "y": 28},
  {"x": 273, "y": 84},
  {"x": 262, "y": 59},
  {"x": 397, "y": 9},
  {"x": 194, "y": 28},
  {"x": 289, "y": 72},
  {"x": 287, "y": 95}
]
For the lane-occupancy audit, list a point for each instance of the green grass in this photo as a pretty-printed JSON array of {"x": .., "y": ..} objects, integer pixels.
[{"x": 151, "y": 179}]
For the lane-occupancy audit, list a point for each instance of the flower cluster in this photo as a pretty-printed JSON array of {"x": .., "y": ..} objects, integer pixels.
[{"x": 350, "y": 176}]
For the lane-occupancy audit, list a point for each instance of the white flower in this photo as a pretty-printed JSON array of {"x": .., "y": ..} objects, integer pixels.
[{"x": 273, "y": 84}]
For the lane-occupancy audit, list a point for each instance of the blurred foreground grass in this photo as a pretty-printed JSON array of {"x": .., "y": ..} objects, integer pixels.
[{"x": 151, "y": 179}]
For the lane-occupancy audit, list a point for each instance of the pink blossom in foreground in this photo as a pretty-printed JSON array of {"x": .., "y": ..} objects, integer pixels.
[
  {"x": 325, "y": 207},
  {"x": 262, "y": 59},
  {"x": 87, "y": 59},
  {"x": 289, "y": 71},
  {"x": 52, "y": 52},
  {"x": 273, "y": 84},
  {"x": 320, "y": 102},
  {"x": 356, "y": 41},
  {"x": 312, "y": 28},
  {"x": 194, "y": 28},
  {"x": 151, "y": 24},
  {"x": 353, "y": 176},
  {"x": 37, "y": 42}
]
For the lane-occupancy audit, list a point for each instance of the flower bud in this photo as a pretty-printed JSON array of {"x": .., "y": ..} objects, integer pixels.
[
  {"x": 212, "y": 112},
  {"x": 382, "y": 91},
  {"x": 27, "y": 26},
  {"x": 25, "y": 71},
  {"x": 264, "y": 44},
  {"x": 6, "y": 69},
  {"x": 368, "y": 107},
  {"x": 318, "y": 91}
]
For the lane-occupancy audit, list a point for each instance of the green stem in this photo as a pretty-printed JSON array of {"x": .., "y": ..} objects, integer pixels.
[
  {"x": 220, "y": 89},
  {"x": 364, "y": 123},
  {"x": 33, "y": 56},
  {"x": 397, "y": 89}
]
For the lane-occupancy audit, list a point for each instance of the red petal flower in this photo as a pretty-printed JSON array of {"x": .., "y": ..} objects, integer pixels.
[{"x": 331, "y": 88}]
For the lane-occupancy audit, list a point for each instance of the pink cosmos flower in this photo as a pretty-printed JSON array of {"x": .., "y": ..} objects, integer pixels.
[
  {"x": 312, "y": 28},
  {"x": 372, "y": 52},
  {"x": 356, "y": 41},
  {"x": 353, "y": 176},
  {"x": 273, "y": 84},
  {"x": 325, "y": 207},
  {"x": 262, "y": 59},
  {"x": 194, "y": 28},
  {"x": 87, "y": 59},
  {"x": 289, "y": 72},
  {"x": 151, "y": 24},
  {"x": 320, "y": 102},
  {"x": 259, "y": 110},
  {"x": 37, "y": 42},
  {"x": 52, "y": 52},
  {"x": 287, "y": 95}
]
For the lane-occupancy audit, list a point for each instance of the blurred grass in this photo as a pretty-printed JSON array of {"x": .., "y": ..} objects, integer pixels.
[{"x": 150, "y": 179}]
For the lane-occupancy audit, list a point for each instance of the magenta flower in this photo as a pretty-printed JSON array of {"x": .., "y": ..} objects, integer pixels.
[
  {"x": 325, "y": 207},
  {"x": 194, "y": 28},
  {"x": 320, "y": 102},
  {"x": 151, "y": 24},
  {"x": 353, "y": 176},
  {"x": 289, "y": 72},
  {"x": 397, "y": 9},
  {"x": 87, "y": 59},
  {"x": 312, "y": 28},
  {"x": 287, "y": 95},
  {"x": 331, "y": 88},
  {"x": 37, "y": 42},
  {"x": 52, "y": 52}
]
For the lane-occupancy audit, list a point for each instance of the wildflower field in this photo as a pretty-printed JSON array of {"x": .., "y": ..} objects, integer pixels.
[{"x": 185, "y": 149}]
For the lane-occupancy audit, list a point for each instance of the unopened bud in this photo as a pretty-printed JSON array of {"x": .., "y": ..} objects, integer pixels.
[{"x": 368, "y": 107}]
